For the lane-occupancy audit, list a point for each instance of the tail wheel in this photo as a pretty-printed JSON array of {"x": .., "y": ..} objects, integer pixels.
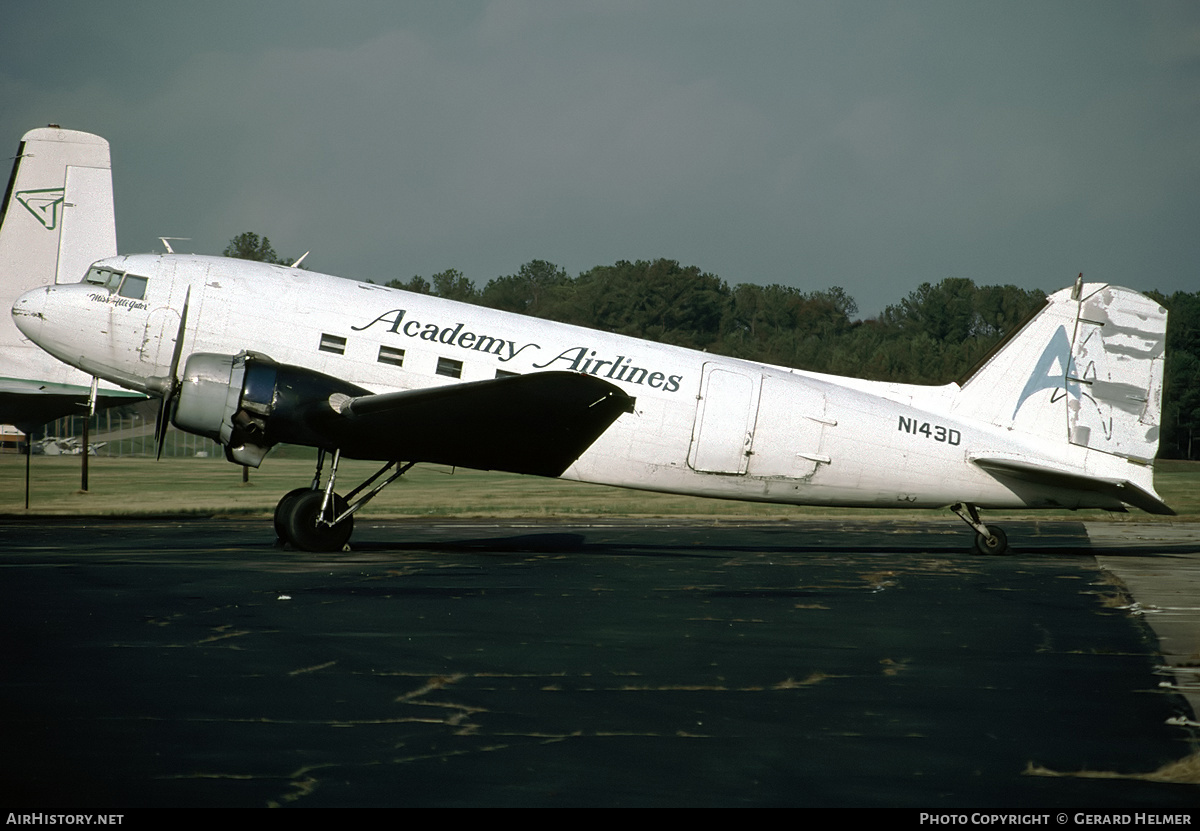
[
  {"x": 305, "y": 531},
  {"x": 994, "y": 542}
]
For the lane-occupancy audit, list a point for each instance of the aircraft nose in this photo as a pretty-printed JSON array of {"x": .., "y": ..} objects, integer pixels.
[{"x": 29, "y": 312}]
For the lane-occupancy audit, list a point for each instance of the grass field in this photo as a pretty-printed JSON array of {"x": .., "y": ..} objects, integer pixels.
[{"x": 135, "y": 486}]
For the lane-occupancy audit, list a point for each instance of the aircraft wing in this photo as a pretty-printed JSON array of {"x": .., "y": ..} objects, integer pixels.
[
  {"x": 538, "y": 423},
  {"x": 1040, "y": 473},
  {"x": 29, "y": 403}
]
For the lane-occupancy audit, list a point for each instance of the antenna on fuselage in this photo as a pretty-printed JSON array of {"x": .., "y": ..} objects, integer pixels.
[
  {"x": 302, "y": 256},
  {"x": 167, "y": 244}
]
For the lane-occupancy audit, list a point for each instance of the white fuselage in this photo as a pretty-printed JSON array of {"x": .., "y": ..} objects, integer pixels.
[{"x": 703, "y": 424}]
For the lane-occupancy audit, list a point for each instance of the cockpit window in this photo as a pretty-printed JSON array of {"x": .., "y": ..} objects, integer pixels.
[
  {"x": 133, "y": 287},
  {"x": 125, "y": 285},
  {"x": 104, "y": 277}
]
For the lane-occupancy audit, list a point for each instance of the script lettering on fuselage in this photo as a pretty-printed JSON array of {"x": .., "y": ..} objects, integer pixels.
[
  {"x": 577, "y": 358},
  {"x": 114, "y": 300},
  {"x": 504, "y": 349},
  {"x": 582, "y": 359}
]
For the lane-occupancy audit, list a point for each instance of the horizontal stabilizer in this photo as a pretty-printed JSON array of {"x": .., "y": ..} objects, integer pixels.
[
  {"x": 1068, "y": 480},
  {"x": 538, "y": 423}
]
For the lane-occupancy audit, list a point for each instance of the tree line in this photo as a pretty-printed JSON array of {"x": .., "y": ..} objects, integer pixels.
[{"x": 935, "y": 335}]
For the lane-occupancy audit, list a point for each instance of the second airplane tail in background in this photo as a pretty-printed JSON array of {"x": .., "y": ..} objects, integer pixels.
[
  {"x": 56, "y": 220},
  {"x": 57, "y": 217}
]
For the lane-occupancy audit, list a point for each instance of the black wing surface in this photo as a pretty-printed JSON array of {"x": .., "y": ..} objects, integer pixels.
[
  {"x": 538, "y": 423},
  {"x": 30, "y": 404}
]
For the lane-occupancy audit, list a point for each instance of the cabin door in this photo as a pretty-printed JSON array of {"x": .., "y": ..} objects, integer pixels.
[{"x": 724, "y": 428}]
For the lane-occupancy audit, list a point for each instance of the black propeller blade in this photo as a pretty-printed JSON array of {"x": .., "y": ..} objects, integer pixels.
[{"x": 165, "y": 409}]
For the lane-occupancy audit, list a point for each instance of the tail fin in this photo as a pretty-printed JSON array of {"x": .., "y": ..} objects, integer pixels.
[
  {"x": 55, "y": 221},
  {"x": 1087, "y": 369},
  {"x": 57, "y": 216}
]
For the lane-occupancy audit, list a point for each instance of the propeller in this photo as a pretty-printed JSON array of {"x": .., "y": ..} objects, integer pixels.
[{"x": 170, "y": 386}]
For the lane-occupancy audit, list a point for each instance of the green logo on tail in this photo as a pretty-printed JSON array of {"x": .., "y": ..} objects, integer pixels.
[{"x": 44, "y": 204}]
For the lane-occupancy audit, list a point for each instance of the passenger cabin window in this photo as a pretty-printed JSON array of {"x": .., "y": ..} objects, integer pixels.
[
  {"x": 391, "y": 355},
  {"x": 449, "y": 367},
  {"x": 333, "y": 343}
]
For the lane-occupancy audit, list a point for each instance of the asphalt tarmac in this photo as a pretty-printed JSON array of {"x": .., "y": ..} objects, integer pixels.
[{"x": 176, "y": 664}]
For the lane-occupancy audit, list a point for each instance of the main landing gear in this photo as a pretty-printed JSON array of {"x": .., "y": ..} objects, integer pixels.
[
  {"x": 318, "y": 519},
  {"x": 989, "y": 539}
]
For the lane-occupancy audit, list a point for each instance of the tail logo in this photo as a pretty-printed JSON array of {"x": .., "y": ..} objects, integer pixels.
[
  {"x": 1052, "y": 372},
  {"x": 44, "y": 204}
]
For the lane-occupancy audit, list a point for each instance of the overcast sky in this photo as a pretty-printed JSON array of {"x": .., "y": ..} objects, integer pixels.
[{"x": 868, "y": 145}]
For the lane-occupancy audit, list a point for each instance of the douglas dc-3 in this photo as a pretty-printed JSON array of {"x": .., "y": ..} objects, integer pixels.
[{"x": 1064, "y": 414}]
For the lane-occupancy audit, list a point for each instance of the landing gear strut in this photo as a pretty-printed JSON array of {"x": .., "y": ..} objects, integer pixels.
[
  {"x": 989, "y": 539},
  {"x": 318, "y": 519}
]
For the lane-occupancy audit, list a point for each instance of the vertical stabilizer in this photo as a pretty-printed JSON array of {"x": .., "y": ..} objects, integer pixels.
[
  {"x": 55, "y": 221},
  {"x": 1087, "y": 370},
  {"x": 57, "y": 217}
]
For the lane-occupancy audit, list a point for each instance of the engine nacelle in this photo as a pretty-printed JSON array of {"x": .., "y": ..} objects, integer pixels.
[{"x": 250, "y": 403}]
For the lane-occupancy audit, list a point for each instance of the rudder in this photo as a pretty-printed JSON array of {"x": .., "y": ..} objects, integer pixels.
[{"x": 1087, "y": 369}]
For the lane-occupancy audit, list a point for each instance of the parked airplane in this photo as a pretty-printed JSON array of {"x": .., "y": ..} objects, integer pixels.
[
  {"x": 1064, "y": 415},
  {"x": 55, "y": 221},
  {"x": 71, "y": 446}
]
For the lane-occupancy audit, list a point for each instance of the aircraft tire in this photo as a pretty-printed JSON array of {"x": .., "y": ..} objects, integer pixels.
[
  {"x": 283, "y": 508},
  {"x": 995, "y": 545},
  {"x": 304, "y": 533}
]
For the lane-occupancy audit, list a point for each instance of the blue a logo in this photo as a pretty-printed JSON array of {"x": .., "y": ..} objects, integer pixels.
[
  {"x": 44, "y": 204},
  {"x": 1052, "y": 372}
]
